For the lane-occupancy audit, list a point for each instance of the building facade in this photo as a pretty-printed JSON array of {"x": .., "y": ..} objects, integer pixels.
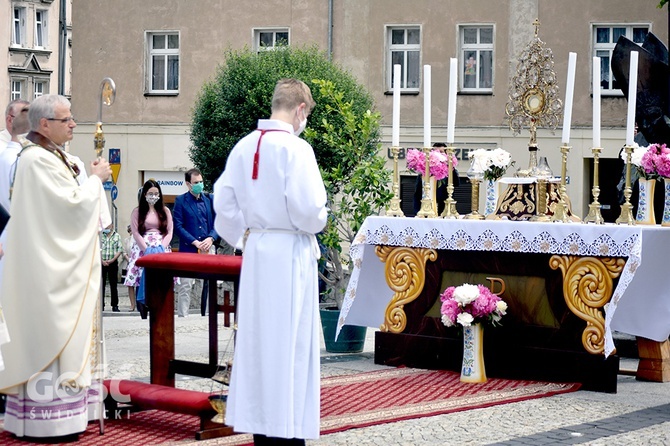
[
  {"x": 159, "y": 53},
  {"x": 38, "y": 40}
]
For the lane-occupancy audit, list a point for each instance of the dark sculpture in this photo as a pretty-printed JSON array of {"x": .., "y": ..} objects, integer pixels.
[{"x": 653, "y": 104}]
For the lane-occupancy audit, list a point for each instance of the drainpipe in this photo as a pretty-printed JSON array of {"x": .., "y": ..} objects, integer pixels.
[
  {"x": 330, "y": 30},
  {"x": 62, "y": 45}
]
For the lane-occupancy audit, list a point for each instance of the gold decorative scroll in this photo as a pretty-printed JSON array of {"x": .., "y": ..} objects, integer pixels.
[
  {"x": 587, "y": 287},
  {"x": 405, "y": 271}
]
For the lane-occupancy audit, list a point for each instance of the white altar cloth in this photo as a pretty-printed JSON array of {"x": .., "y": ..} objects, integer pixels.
[{"x": 640, "y": 304}]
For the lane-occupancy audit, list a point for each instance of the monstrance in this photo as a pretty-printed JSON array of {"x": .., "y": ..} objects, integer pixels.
[{"x": 533, "y": 95}]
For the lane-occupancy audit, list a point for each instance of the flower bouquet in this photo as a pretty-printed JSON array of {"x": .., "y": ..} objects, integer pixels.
[
  {"x": 470, "y": 304},
  {"x": 494, "y": 163},
  {"x": 639, "y": 153},
  {"x": 656, "y": 161},
  {"x": 438, "y": 163}
]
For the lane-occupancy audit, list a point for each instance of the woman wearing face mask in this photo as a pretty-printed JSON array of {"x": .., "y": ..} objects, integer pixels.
[{"x": 151, "y": 226}]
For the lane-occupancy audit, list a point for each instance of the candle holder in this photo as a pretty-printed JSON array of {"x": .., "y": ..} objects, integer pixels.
[
  {"x": 394, "y": 209},
  {"x": 450, "y": 203},
  {"x": 594, "y": 208},
  {"x": 561, "y": 210},
  {"x": 626, "y": 216},
  {"x": 541, "y": 201},
  {"x": 427, "y": 210}
]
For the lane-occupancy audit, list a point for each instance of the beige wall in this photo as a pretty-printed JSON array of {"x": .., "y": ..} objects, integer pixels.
[{"x": 152, "y": 130}]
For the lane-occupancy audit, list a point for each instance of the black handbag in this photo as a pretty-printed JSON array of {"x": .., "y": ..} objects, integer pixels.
[{"x": 4, "y": 218}]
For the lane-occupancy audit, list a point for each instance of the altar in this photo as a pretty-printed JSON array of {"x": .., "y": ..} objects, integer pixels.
[{"x": 569, "y": 286}]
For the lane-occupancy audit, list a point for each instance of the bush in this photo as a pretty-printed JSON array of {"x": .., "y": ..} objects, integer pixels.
[{"x": 343, "y": 129}]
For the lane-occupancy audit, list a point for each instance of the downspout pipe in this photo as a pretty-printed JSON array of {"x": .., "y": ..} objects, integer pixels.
[
  {"x": 330, "y": 30},
  {"x": 62, "y": 45}
]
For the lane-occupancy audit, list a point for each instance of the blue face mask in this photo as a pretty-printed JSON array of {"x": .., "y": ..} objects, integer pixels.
[
  {"x": 105, "y": 231},
  {"x": 197, "y": 188}
]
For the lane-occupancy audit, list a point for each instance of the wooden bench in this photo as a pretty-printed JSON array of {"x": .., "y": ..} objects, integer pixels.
[
  {"x": 144, "y": 396},
  {"x": 160, "y": 270}
]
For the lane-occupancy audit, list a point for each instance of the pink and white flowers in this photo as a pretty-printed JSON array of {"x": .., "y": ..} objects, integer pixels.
[
  {"x": 470, "y": 304},
  {"x": 656, "y": 161},
  {"x": 439, "y": 164}
]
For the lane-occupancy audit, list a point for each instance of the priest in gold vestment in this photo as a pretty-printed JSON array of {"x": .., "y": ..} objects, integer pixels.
[{"x": 51, "y": 281}]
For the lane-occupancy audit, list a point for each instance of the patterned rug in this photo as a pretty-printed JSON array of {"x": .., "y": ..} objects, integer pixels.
[{"x": 347, "y": 402}]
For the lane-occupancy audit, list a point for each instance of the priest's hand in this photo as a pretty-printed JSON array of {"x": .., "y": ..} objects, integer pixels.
[{"x": 100, "y": 168}]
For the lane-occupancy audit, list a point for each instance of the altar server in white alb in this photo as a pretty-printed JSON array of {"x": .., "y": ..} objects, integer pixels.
[
  {"x": 271, "y": 189},
  {"x": 51, "y": 282}
]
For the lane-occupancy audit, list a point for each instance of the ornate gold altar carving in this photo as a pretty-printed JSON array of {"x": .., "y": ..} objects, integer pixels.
[
  {"x": 405, "y": 272},
  {"x": 587, "y": 287}
]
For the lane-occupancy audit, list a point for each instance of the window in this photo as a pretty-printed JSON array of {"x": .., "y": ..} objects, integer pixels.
[
  {"x": 39, "y": 89},
  {"x": 41, "y": 28},
  {"x": 163, "y": 62},
  {"x": 269, "y": 39},
  {"x": 19, "y": 27},
  {"x": 476, "y": 58},
  {"x": 604, "y": 39},
  {"x": 17, "y": 89},
  {"x": 404, "y": 48}
]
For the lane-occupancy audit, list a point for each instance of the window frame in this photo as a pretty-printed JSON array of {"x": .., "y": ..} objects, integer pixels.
[
  {"x": 609, "y": 47},
  {"x": 477, "y": 48},
  {"x": 21, "y": 81},
  {"x": 19, "y": 41},
  {"x": 405, "y": 47},
  {"x": 166, "y": 53},
  {"x": 42, "y": 34},
  {"x": 45, "y": 87},
  {"x": 274, "y": 30}
]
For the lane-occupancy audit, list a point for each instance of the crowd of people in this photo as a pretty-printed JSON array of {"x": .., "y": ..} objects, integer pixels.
[{"x": 269, "y": 209}]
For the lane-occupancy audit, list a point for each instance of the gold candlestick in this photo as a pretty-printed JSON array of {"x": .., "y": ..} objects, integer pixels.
[
  {"x": 427, "y": 210},
  {"x": 450, "y": 203},
  {"x": 474, "y": 203},
  {"x": 561, "y": 211},
  {"x": 541, "y": 201},
  {"x": 394, "y": 210},
  {"x": 626, "y": 216},
  {"x": 594, "y": 208}
]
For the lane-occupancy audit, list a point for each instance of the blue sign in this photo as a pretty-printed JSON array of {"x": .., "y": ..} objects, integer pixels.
[
  {"x": 114, "y": 192},
  {"x": 107, "y": 185},
  {"x": 114, "y": 156}
]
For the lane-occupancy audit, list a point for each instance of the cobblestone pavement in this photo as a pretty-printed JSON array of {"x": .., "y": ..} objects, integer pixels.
[{"x": 638, "y": 414}]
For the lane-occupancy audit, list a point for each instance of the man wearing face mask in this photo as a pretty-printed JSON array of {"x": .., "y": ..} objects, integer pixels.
[
  {"x": 110, "y": 249},
  {"x": 194, "y": 224},
  {"x": 272, "y": 191}
]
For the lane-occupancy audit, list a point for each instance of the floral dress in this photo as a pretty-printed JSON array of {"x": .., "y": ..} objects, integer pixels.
[{"x": 135, "y": 272}]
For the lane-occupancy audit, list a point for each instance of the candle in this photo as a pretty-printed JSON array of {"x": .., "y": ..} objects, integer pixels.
[
  {"x": 596, "y": 102},
  {"x": 395, "y": 138},
  {"x": 451, "y": 116},
  {"x": 569, "y": 94},
  {"x": 632, "y": 97},
  {"x": 426, "y": 106}
]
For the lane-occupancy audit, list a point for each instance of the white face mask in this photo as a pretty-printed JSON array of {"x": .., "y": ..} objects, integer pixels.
[
  {"x": 301, "y": 127},
  {"x": 152, "y": 199}
]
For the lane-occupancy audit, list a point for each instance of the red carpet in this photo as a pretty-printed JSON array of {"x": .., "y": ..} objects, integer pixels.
[{"x": 347, "y": 402}]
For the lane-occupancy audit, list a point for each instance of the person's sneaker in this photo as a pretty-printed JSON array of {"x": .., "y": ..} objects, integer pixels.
[{"x": 115, "y": 309}]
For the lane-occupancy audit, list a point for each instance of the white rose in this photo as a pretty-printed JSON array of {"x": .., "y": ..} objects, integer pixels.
[
  {"x": 636, "y": 156},
  {"x": 466, "y": 293},
  {"x": 446, "y": 321},
  {"x": 465, "y": 319},
  {"x": 500, "y": 158},
  {"x": 501, "y": 307}
]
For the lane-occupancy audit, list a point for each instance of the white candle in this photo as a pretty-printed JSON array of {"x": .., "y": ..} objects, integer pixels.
[
  {"x": 632, "y": 97},
  {"x": 395, "y": 138},
  {"x": 426, "y": 106},
  {"x": 451, "y": 116},
  {"x": 596, "y": 102},
  {"x": 569, "y": 94}
]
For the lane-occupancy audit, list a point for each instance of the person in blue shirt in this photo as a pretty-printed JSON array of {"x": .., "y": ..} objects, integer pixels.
[{"x": 193, "y": 218}]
